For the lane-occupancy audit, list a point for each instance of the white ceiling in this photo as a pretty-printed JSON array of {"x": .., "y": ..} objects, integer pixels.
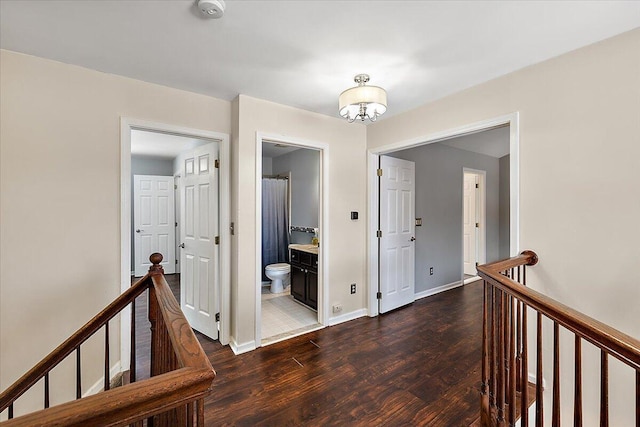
[
  {"x": 494, "y": 142},
  {"x": 272, "y": 149},
  {"x": 155, "y": 144},
  {"x": 304, "y": 53}
]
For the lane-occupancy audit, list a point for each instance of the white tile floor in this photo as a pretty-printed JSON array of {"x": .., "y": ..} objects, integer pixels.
[{"x": 283, "y": 317}]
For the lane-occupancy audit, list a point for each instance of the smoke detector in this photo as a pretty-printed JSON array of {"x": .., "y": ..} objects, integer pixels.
[{"x": 211, "y": 8}]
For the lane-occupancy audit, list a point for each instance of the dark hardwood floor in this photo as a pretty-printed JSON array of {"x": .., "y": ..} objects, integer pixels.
[{"x": 419, "y": 365}]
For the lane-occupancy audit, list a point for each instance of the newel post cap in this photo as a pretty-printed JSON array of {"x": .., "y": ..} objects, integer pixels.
[{"x": 156, "y": 268}]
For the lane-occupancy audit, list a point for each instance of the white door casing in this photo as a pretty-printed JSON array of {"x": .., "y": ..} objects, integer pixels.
[
  {"x": 469, "y": 220},
  {"x": 199, "y": 265},
  {"x": 397, "y": 224},
  {"x": 153, "y": 221}
]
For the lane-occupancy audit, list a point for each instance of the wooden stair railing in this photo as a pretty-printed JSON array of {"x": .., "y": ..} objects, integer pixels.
[
  {"x": 505, "y": 364},
  {"x": 180, "y": 373}
]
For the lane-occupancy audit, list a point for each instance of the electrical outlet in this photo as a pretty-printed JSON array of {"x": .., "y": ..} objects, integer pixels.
[
  {"x": 353, "y": 288},
  {"x": 431, "y": 271},
  {"x": 337, "y": 308}
]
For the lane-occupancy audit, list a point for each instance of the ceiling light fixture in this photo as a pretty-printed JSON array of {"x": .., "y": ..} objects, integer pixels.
[
  {"x": 362, "y": 102},
  {"x": 211, "y": 8}
]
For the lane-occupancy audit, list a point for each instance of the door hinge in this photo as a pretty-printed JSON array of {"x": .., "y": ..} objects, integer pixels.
[
  {"x": 379, "y": 233},
  {"x": 176, "y": 224},
  {"x": 477, "y": 225},
  {"x": 175, "y": 187},
  {"x": 379, "y": 295},
  {"x": 477, "y": 263},
  {"x": 379, "y": 172},
  {"x": 176, "y": 262},
  {"x": 217, "y": 240},
  {"x": 217, "y": 317},
  {"x": 216, "y": 164},
  {"x": 477, "y": 185}
]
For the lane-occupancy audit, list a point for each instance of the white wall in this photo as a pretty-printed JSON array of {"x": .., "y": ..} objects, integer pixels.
[
  {"x": 347, "y": 187},
  {"x": 579, "y": 162},
  {"x": 60, "y": 200}
]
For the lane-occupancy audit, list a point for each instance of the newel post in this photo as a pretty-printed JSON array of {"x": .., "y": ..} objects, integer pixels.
[
  {"x": 156, "y": 268},
  {"x": 155, "y": 319}
]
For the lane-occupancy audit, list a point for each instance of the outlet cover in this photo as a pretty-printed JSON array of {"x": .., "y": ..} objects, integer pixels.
[{"x": 353, "y": 288}]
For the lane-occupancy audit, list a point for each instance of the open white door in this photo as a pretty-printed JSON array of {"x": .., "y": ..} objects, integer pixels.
[
  {"x": 199, "y": 258},
  {"x": 153, "y": 222},
  {"x": 469, "y": 223},
  {"x": 397, "y": 223}
]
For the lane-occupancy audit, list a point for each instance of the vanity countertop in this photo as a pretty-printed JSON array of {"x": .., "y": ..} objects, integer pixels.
[{"x": 312, "y": 249}]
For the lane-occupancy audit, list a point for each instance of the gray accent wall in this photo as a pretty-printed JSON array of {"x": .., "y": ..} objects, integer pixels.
[
  {"x": 142, "y": 165},
  {"x": 504, "y": 209},
  {"x": 267, "y": 166},
  {"x": 439, "y": 177},
  {"x": 304, "y": 165}
]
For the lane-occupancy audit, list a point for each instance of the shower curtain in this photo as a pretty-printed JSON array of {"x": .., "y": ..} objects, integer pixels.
[{"x": 275, "y": 222}]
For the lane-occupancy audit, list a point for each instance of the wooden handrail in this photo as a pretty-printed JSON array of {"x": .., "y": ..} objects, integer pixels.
[
  {"x": 618, "y": 344},
  {"x": 25, "y": 382},
  {"x": 505, "y": 364},
  {"x": 181, "y": 373},
  {"x": 124, "y": 405},
  {"x": 188, "y": 349}
]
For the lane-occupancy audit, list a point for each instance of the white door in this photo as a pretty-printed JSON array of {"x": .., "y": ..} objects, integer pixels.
[
  {"x": 397, "y": 223},
  {"x": 153, "y": 222},
  {"x": 199, "y": 265},
  {"x": 469, "y": 220}
]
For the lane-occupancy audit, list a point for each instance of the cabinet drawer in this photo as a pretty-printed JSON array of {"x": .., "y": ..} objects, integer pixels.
[{"x": 305, "y": 258}]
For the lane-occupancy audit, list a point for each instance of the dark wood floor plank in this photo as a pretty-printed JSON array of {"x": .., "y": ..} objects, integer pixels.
[{"x": 419, "y": 365}]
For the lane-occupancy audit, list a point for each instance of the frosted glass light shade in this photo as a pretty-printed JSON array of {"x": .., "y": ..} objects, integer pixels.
[{"x": 374, "y": 99}]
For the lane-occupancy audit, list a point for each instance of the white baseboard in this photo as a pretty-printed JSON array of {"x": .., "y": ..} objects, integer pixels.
[
  {"x": 241, "y": 348},
  {"x": 438, "y": 289},
  {"x": 472, "y": 279},
  {"x": 99, "y": 385},
  {"x": 532, "y": 380},
  {"x": 347, "y": 316}
]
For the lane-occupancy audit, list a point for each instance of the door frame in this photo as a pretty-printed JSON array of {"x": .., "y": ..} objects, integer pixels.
[
  {"x": 323, "y": 224},
  {"x": 127, "y": 124},
  {"x": 481, "y": 211},
  {"x": 373, "y": 154}
]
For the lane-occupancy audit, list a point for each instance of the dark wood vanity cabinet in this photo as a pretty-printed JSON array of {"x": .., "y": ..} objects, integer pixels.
[{"x": 304, "y": 277}]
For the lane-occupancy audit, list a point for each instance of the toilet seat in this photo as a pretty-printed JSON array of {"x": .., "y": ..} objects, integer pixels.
[{"x": 278, "y": 267}]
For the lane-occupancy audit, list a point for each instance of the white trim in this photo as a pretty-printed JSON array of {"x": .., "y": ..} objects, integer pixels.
[
  {"x": 126, "y": 125},
  {"x": 471, "y": 280},
  {"x": 438, "y": 289},
  {"x": 323, "y": 222},
  {"x": 284, "y": 338},
  {"x": 347, "y": 317},
  {"x": 481, "y": 217},
  {"x": 99, "y": 385},
  {"x": 241, "y": 348},
  {"x": 372, "y": 226},
  {"x": 512, "y": 120}
]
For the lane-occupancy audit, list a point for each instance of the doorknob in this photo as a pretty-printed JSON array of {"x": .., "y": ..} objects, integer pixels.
[
  {"x": 412, "y": 239},
  {"x": 138, "y": 230},
  {"x": 182, "y": 245}
]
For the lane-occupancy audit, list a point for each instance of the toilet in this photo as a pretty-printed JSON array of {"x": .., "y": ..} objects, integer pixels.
[{"x": 279, "y": 275}]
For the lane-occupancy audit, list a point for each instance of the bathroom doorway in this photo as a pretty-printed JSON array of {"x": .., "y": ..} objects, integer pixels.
[{"x": 289, "y": 300}]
